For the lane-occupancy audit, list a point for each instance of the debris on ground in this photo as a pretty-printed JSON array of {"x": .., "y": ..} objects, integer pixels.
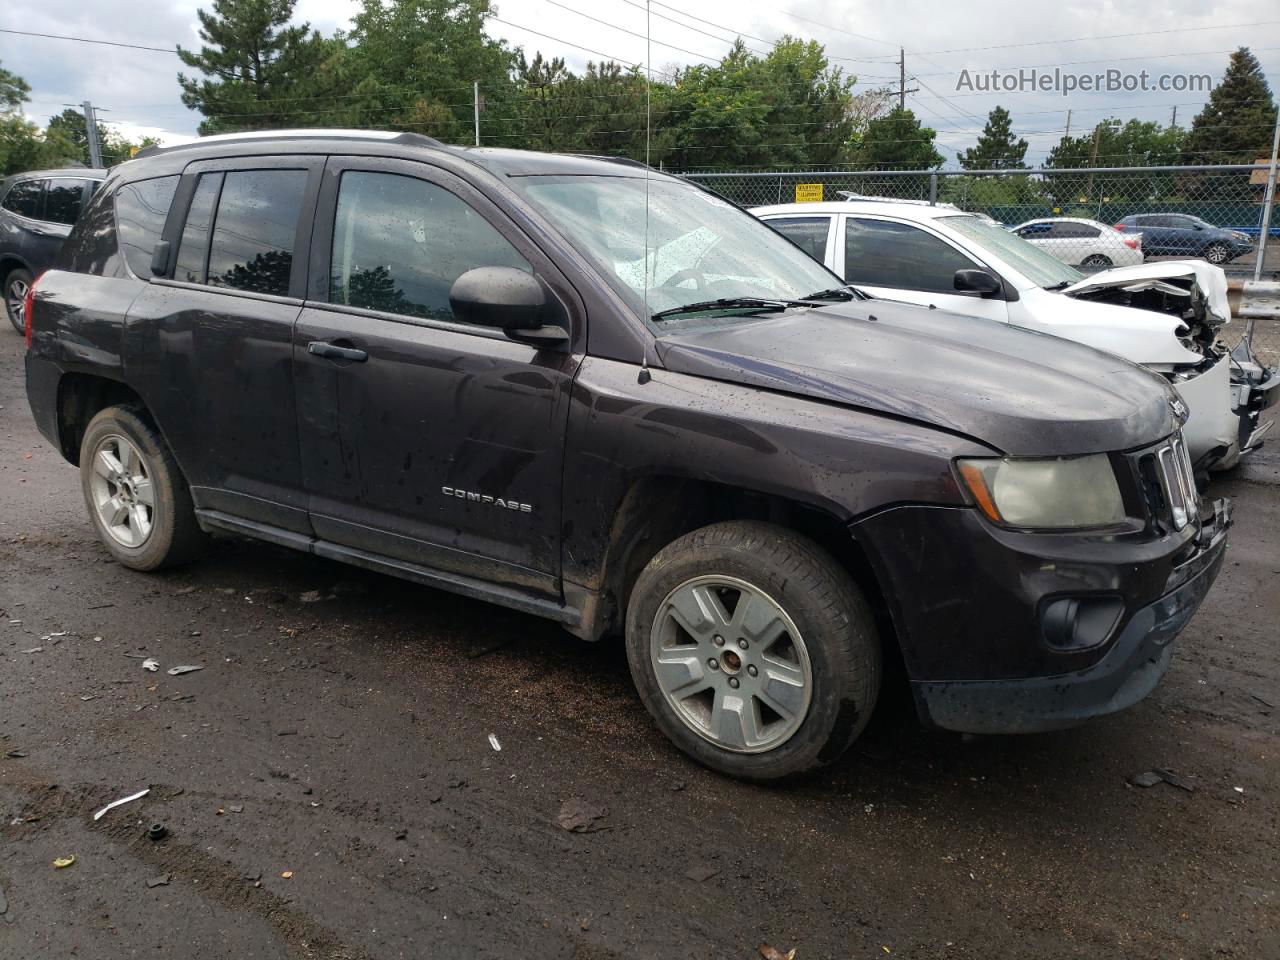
[
  {"x": 115, "y": 803},
  {"x": 772, "y": 953},
  {"x": 160, "y": 881},
  {"x": 1181, "y": 782},
  {"x": 311, "y": 596},
  {"x": 157, "y": 831},
  {"x": 184, "y": 668},
  {"x": 60, "y": 863},
  {"x": 1148, "y": 778},
  {"x": 701, "y": 872},
  {"x": 16, "y": 754},
  {"x": 578, "y": 816},
  {"x": 493, "y": 742},
  {"x": 4, "y": 903},
  {"x": 151, "y": 664},
  {"x": 287, "y": 875},
  {"x": 34, "y": 650},
  {"x": 236, "y": 807}
]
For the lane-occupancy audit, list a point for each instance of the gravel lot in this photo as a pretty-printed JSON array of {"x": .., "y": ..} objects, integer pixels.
[{"x": 330, "y": 790}]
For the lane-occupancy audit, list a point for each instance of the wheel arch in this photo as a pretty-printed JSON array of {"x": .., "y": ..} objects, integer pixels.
[
  {"x": 657, "y": 510},
  {"x": 81, "y": 396}
]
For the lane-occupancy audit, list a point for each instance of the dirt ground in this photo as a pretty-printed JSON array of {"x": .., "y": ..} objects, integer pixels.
[{"x": 329, "y": 787}]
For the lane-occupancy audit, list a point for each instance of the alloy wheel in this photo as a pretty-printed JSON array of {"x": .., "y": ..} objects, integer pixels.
[
  {"x": 16, "y": 301},
  {"x": 122, "y": 492},
  {"x": 731, "y": 664}
]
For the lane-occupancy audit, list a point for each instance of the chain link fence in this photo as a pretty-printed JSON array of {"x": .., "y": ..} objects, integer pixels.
[{"x": 1091, "y": 219}]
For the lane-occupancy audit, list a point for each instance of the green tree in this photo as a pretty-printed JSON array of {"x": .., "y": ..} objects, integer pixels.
[
  {"x": 784, "y": 109},
  {"x": 996, "y": 149},
  {"x": 14, "y": 91},
  {"x": 70, "y": 129},
  {"x": 1237, "y": 122},
  {"x": 897, "y": 141},
  {"x": 410, "y": 66},
  {"x": 257, "y": 71},
  {"x": 1134, "y": 143}
]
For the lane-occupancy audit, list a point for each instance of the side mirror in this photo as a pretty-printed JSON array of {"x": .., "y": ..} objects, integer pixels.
[
  {"x": 512, "y": 300},
  {"x": 160, "y": 259},
  {"x": 982, "y": 282},
  {"x": 1197, "y": 226}
]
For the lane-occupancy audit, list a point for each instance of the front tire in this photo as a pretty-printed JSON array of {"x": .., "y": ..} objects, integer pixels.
[
  {"x": 16, "y": 285},
  {"x": 753, "y": 649},
  {"x": 137, "y": 497}
]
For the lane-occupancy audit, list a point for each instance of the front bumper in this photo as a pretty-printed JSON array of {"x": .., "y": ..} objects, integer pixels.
[{"x": 1134, "y": 663}]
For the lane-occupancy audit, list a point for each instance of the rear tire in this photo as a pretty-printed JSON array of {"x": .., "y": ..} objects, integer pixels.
[
  {"x": 16, "y": 285},
  {"x": 137, "y": 497},
  {"x": 753, "y": 650},
  {"x": 1096, "y": 260}
]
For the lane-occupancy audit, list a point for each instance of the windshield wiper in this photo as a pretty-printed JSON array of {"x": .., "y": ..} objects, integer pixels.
[
  {"x": 1059, "y": 286},
  {"x": 726, "y": 303},
  {"x": 835, "y": 293}
]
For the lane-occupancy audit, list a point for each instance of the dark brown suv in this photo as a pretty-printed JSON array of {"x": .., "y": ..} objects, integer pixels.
[{"x": 586, "y": 390}]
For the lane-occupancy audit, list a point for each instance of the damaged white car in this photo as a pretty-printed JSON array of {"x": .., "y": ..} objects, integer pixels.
[{"x": 1166, "y": 316}]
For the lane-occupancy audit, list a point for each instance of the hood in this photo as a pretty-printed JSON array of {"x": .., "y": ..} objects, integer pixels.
[
  {"x": 1023, "y": 393},
  {"x": 1193, "y": 291}
]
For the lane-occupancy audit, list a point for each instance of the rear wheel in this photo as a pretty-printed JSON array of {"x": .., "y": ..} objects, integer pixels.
[
  {"x": 137, "y": 497},
  {"x": 1097, "y": 261},
  {"x": 753, "y": 650},
  {"x": 16, "y": 285},
  {"x": 1217, "y": 253}
]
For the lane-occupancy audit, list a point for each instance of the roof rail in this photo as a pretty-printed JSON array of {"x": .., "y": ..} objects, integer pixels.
[
  {"x": 860, "y": 197},
  {"x": 626, "y": 161},
  {"x": 301, "y": 133}
]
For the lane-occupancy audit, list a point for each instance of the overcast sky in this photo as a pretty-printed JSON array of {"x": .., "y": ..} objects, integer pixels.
[{"x": 139, "y": 92}]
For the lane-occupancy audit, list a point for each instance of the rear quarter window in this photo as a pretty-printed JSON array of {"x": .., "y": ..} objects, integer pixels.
[{"x": 141, "y": 209}]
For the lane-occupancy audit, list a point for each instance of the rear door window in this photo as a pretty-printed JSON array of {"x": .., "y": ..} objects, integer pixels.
[
  {"x": 62, "y": 200},
  {"x": 886, "y": 254},
  {"x": 141, "y": 209},
  {"x": 193, "y": 248},
  {"x": 26, "y": 198},
  {"x": 808, "y": 233},
  {"x": 399, "y": 243},
  {"x": 255, "y": 230}
]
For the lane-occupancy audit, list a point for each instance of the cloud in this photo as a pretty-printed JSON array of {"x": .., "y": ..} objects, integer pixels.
[{"x": 137, "y": 90}]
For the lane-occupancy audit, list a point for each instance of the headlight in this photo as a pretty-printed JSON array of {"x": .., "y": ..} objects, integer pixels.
[{"x": 1059, "y": 493}]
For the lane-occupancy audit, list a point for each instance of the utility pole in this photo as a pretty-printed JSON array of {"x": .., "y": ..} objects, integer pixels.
[
  {"x": 1173, "y": 121},
  {"x": 91, "y": 131},
  {"x": 1093, "y": 158},
  {"x": 902, "y": 80},
  {"x": 1067, "y": 135},
  {"x": 475, "y": 88},
  {"x": 1268, "y": 202}
]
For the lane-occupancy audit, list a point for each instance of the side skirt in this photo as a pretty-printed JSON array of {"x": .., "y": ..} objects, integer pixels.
[{"x": 569, "y": 616}]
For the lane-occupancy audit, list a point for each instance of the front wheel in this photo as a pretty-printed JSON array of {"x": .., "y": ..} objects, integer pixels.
[
  {"x": 753, "y": 650},
  {"x": 1217, "y": 254},
  {"x": 137, "y": 497},
  {"x": 16, "y": 285}
]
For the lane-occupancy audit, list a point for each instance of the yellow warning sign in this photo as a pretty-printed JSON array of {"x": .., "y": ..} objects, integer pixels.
[{"x": 808, "y": 193}]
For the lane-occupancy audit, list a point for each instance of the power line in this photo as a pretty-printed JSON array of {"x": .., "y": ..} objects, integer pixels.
[
  {"x": 106, "y": 43},
  {"x": 614, "y": 26}
]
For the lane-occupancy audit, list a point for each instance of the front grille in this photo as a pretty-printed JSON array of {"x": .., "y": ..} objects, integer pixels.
[{"x": 1168, "y": 482}]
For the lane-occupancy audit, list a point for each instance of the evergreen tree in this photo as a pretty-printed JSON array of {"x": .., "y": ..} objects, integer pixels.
[
  {"x": 258, "y": 72},
  {"x": 1236, "y": 124},
  {"x": 996, "y": 149},
  {"x": 897, "y": 141},
  {"x": 14, "y": 91}
]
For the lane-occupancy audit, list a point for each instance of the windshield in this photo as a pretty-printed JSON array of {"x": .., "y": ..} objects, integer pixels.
[
  {"x": 1041, "y": 268},
  {"x": 700, "y": 247}
]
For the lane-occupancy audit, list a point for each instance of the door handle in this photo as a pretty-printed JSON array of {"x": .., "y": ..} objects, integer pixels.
[{"x": 335, "y": 351}]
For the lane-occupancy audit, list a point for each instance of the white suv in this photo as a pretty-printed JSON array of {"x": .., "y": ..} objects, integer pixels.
[{"x": 1165, "y": 316}]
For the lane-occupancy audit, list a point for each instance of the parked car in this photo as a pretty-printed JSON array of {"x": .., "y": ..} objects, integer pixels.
[
  {"x": 1084, "y": 243},
  {"x": 602, "y": 395},
  {"x": 941, "y": 256},
  {"x": 1182, "y": 235},
  {"x": 37, "y": 210}
]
